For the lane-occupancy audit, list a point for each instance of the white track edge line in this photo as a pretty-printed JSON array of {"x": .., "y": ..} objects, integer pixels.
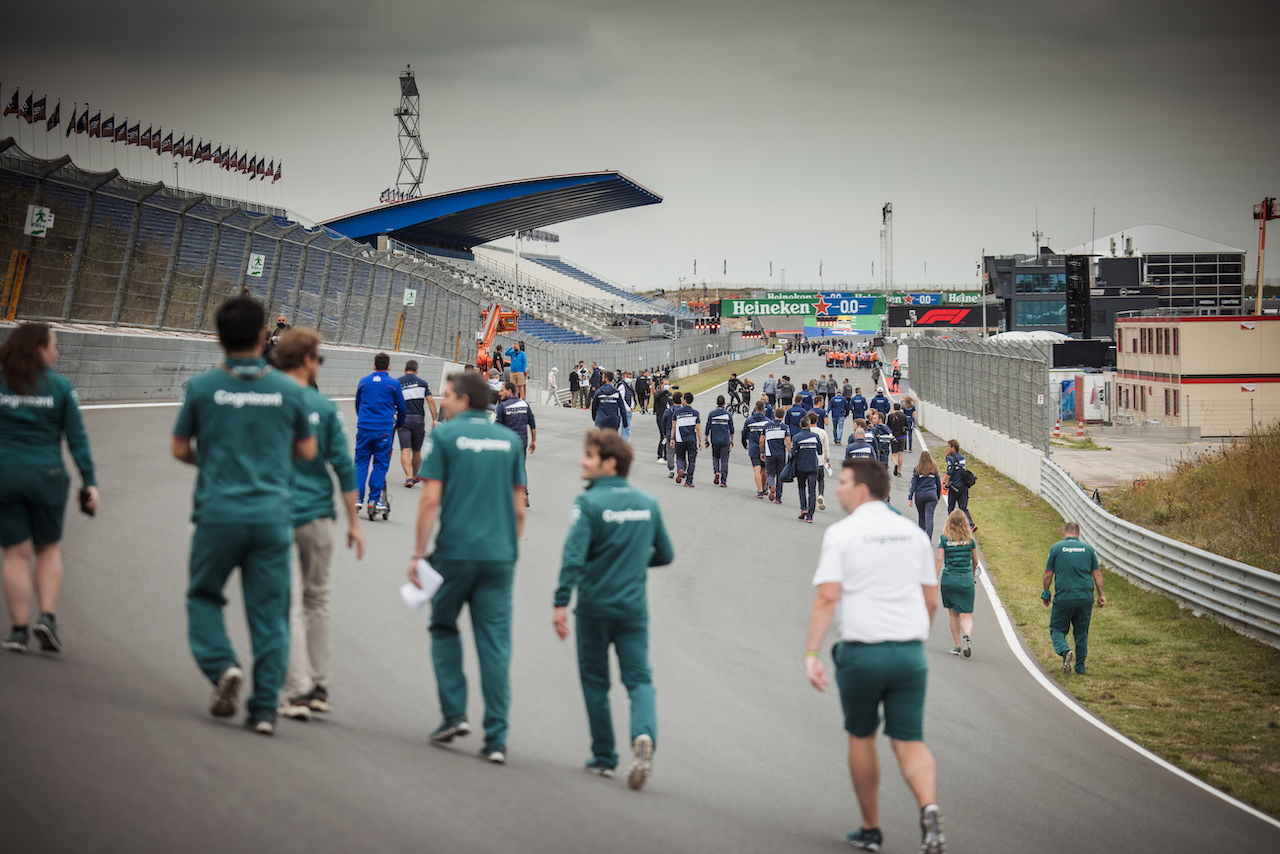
[
  {"x": 153, "y": 405},
  {"x": 1037, "y": 672}
]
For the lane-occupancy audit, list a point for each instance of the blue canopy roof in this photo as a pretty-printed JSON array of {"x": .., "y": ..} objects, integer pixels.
[{"x": 462, "y": 219}]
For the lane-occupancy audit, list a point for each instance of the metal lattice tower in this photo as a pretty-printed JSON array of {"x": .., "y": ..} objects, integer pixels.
[
  {"x": 413, "y": 157},
  {"x": 886, "y": 246}
]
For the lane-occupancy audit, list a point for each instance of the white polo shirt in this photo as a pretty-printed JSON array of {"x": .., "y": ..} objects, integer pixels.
[{"x": 880, "y": 560}]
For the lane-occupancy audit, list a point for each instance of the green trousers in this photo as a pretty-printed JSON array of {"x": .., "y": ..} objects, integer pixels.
[
  {"x": 485, "y": 587},
  {"x": 630, "y": 638},
  {"x": 262, "y": 554},
  {"x": 1071, "y": 615}
]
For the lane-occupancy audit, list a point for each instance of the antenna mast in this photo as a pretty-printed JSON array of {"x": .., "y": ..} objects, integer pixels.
[{"x": 413, "y": 157}]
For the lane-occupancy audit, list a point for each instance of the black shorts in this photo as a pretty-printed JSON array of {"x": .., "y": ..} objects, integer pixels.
[
  {"x": 412, "y": 434},
  {"x": 897, "y": 446}
]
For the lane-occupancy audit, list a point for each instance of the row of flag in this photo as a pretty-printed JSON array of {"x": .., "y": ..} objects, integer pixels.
[
  {"x": 390, "y": 195},
  {"x": 153, "y": 138}
]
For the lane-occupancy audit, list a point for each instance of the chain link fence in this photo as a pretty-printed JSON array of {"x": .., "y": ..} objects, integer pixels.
[
  {"x": 127, "y": 254},
  {"x": 1001, "y": 385}
]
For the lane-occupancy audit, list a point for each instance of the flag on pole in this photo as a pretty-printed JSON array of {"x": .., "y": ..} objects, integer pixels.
[
  {"x": 133, "y": 136},
  {"x": 157, "y": 139},
  {"x": 12, "y": 107},
  {"x": 726, "y": 266},
  {"x": 206, "y": 153},
  {"x": 166, "y": 147},
  {"x": 146, "y": 138},
  {"x": 75, "y": 120},
  {"x": 253, "y": 167},
  {"x": 263, "y": 171},
  {"x": 82, "y": 123},
  {"x": 95, "y": 124},
  {"x": 179, "y": 145},
  {"x": 26, "y": 108},
  {"x": 189, "y": 149},
  {"x": 107, "y": 130},
  {"x": 37, "y": 110},
  {"x": 241, "y": 164},
  {"x": 55, "y": 119},
  {"x": 695, "y": 266},
  {"x": 122, "y": 130},
  {"x": 217, "y": 156},
  {"x": 279, "y": 172}
]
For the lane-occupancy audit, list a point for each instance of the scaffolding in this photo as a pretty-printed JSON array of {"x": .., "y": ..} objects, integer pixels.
[{"x": 413, "y": 157}]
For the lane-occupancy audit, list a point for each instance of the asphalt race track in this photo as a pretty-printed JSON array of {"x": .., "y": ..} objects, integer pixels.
[{"x": 110, "y": 748}]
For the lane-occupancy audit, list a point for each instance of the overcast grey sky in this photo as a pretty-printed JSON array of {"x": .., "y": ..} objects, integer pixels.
[{"x": 774, "y": 131}]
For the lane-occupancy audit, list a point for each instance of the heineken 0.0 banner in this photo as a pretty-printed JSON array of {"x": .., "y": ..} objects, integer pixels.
[
  {"x": 819, "y": 305},
  {"x": 950, "y": 298}
]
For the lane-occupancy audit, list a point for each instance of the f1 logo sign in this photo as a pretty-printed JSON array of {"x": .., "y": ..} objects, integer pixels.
[{"x": 950, "y": 316}]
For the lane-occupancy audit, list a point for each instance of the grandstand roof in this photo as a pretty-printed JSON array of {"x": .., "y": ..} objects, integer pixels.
[{"x": 462, "y": 219}]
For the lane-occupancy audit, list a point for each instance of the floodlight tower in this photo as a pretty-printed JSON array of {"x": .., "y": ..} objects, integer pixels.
[
  {"x": 886, "y": 236},
  {"x": 413, "y": 157}
]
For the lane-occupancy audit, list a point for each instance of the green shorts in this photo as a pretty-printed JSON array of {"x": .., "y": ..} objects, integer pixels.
[
  {"x": 893, "y": 673},
  {"x": 957, "y": 591},
  {"x": 33, "y": 504}
]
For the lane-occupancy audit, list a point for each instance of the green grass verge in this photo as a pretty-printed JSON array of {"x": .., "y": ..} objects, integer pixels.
[
  {"x": 1186, "y": 688},
  {"x": 699, "y": 383}
]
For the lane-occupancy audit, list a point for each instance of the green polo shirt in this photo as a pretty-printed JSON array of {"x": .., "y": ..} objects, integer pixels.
[
  {"x": 32, "y": 426},
  {"x": 245, "y": 418},
  {"x": 615, "y": 535},
  {"x": 480, "y": 465},
  {"x": 312, "y": 484},
  {"x": 1072, "y": 563}
]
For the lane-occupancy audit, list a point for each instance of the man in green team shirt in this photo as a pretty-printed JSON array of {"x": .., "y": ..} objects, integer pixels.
[
  {"x": 242, "y": 424},
  {"x": 306, "y": 687},
  {"x": 1073, "y": 570},
  {"x": 474, "y": 481},
  {"x": 615, "y": 535}
]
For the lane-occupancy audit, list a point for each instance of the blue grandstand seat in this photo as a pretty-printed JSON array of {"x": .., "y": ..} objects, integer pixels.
[
  {"x": 565, "y": 268},
  {"x": 550, "y": 332}
]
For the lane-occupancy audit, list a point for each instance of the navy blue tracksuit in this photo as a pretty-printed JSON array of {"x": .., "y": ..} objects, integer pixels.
[
  {"x": 608, "y": 409},
  {"x": 806, "y": 447},
  {"x": 720, "y": 437},
  {"x": 684, "y": 422},
  {"x": 776, "y": 441}
]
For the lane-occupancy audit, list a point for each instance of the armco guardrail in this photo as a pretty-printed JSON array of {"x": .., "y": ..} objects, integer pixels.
[{"x": 1243, "y": 596}]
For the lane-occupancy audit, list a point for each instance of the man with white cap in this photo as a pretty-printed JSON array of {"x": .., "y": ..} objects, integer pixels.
[{"x": 553, "y": 390}]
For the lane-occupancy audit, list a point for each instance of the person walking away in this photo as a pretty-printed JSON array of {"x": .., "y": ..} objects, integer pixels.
[
  {"x": 880, "y": 436},
  {"x": 752, "y": 431},
  {"x": 847, "y": 391},
  {"x": 519, "y": 367},
  {"x": 473, "y": 492},
  {"x": 1072, "y": 570},
  {"x": 306, "y": 684},
  {"x": 824, "y": 461},
  {"x": 516, "y": 413},
  {"x": 667, "y": 428},
  {"x": 661, "y": 402},
  {"x": 858, "y": 404},
  {"x": 380, "y": 411},
  {"x": 249, "y": 422},
  {"x": 909, "y": 410},
  {"x": 786, "y": 391},
  {"x": 38, "y": 407},
  {"x": 643, "y": 388},
  {"x": 956, "y": 484},
  {"x": 838, "y": 407},
  {"x": 859, "y": 448},
  {"x": 896, "y": 377},
  {"x": 417, "y": 398},
  {"x": 686, "y": 436},
  {"x": 575, "y": 388},
  {"x": 879, "y": 569},
  {"x": 596, "y": 378},
  {"x": 775, "y": 447},
  {"x": 957, "y": 565},
  {"x": 880, "y": 403},
  {"x": 608, "y": 409},
  {"x": 897, "y": 424},
  {"x": 615, "y": 536},
  {"x": 925, "y": 490},
  {"x": 629, "y": 402},
  {"x": 771, "y": 390},
  {"x": 720, "y": 440},
  {"x": 795, "y": 415},
  {"x": 806, "y": 450}
]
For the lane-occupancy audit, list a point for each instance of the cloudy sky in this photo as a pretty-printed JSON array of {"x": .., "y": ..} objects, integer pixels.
[{"x": 775, "y": 131}]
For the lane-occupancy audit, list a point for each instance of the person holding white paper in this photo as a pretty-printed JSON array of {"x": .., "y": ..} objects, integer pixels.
[
  {"x": 473, "y": 484},
  {"x": 615, "y": 535}
]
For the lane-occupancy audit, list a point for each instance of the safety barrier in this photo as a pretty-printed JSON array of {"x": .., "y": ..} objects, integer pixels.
[{"x": 1242, "y": 596}]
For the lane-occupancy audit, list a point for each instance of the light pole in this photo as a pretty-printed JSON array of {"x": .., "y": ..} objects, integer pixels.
[{"x": 679, "y": 303}]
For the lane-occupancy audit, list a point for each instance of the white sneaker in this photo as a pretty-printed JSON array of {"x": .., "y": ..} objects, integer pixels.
[
  {"x": 226, "y": 695},
  {"x": 497, "y": 757},
  {"x": 642, "y": 763},
  {"x": 822, "y": 505}
]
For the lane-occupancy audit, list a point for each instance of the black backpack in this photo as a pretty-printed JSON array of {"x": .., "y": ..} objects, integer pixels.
[{"x": 968, "y": 478}]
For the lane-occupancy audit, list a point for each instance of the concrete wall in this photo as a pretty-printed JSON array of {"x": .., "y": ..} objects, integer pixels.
[
  {"x": 1015, "y": 459},
  {"x": 120, "y": 366}
]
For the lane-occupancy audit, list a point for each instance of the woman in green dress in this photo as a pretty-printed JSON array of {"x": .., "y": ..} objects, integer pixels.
[{"x": 957, "y": 565}]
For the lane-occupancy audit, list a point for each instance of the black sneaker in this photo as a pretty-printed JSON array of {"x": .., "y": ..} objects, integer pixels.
[
  {"x": 46, "y": 631},
  {"x": 226, "y": 695},
  {"x": 17, "y": 640},
  {"x": 867, "y": 839},
  {"x": 931, "y": 839},
  {"x": 641, "y": 763},
  {"x": 449, "y": 730},
  {"x": 318, "y": 700},
  {"x": 262, "y": 722}
]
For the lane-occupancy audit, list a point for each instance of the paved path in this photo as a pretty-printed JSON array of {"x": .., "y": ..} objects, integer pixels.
[
  {"x": 110, "y": 748},
  {"x": 1129, "y": 458}
]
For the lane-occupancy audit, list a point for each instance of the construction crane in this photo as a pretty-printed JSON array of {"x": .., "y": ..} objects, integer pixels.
[{"x": 492, "y": 321}]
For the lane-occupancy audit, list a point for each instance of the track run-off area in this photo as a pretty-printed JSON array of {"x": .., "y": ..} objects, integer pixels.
[{"x": 110, "y": 747}]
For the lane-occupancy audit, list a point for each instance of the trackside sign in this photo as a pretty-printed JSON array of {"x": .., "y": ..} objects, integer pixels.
[{"x": 831, "y": 304}]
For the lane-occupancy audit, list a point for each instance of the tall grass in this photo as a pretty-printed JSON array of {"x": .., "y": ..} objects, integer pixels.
[{"x": 1222, "y": 500}]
